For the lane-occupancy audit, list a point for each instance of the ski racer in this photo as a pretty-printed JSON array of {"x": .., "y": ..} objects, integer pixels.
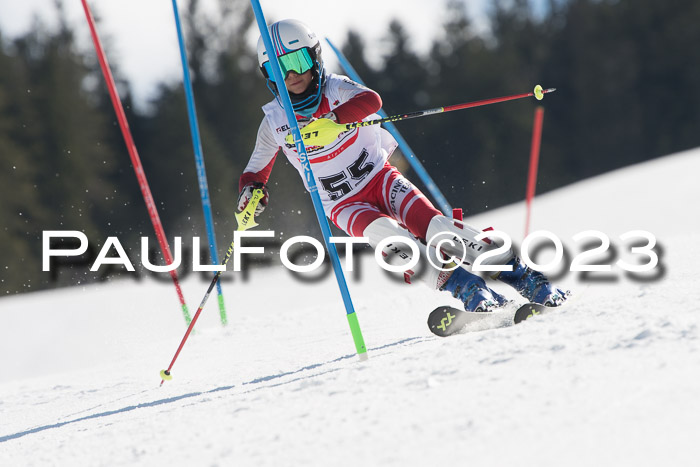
[{"x": 361, "y": 192}]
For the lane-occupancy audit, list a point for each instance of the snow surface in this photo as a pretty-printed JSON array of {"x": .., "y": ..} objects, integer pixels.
[{"x": 612, "y": 379}]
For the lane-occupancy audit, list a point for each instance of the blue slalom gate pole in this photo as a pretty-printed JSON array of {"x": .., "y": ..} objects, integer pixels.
[
  {"x": 199, "y": 159},
  {"x": 311, "y": 181},
  {"x": 405, "y": 148}
]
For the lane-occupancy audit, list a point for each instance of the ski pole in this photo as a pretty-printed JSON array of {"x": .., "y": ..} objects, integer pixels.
[
  {"x": 324, "y": 131},
  {"x": 246, "y": 220}
]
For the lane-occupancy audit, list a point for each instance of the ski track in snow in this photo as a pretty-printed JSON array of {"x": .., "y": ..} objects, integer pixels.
[{"x": 611, "y": 379}]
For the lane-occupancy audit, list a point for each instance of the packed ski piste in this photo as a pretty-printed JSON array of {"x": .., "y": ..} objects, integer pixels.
[{"x": 273, "y": 388}]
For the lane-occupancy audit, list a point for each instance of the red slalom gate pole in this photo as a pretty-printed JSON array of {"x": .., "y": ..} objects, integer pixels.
[
  {"x": 534, "y": 161},
  {"x": 135, "y": 159}
]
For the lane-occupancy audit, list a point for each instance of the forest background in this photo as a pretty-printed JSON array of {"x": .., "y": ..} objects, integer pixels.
[{"x": 627, "y": 74}]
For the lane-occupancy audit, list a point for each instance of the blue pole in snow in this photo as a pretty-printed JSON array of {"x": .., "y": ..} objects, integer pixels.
[
  {"x": 311, "y": 181},
  {"x": 405, "y": 148},
  {"x": 199, "y": 159}
]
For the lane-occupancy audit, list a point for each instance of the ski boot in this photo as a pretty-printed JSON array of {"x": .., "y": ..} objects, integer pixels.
[
  {"x": 472, "y": 291},
  {"x": 532, "y": 285}
]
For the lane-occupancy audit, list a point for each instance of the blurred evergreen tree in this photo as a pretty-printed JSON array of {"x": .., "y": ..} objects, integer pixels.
[
  {"x": 58, "y": 175},
  {"x": 354, "y": 51},
  {"x": 626, "y": 74}
]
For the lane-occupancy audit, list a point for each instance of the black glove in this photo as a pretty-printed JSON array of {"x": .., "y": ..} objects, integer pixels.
[{"x": 247, "y": 193}]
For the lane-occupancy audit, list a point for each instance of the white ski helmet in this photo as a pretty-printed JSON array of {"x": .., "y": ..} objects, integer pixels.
[{"x": 299, "y": 50}]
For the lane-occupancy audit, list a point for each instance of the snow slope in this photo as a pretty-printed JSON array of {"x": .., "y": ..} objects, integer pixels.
[{"x": 612, "y": 379}]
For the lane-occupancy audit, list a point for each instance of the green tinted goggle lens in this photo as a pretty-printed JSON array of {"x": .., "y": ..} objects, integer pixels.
[{"x": 298, "y": 61}]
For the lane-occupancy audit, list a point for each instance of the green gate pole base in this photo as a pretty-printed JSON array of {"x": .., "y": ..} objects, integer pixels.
[
  {"x": 357, "y": 337},
  {"x": 222, "y": 311}
]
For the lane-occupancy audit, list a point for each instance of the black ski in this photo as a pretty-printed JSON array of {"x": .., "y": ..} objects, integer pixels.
[
  {"x": 444, "y": 321},
  {"x": 529, "y": 310}
]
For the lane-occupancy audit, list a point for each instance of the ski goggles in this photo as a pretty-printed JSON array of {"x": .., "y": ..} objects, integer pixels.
[{"x": 298, "y": 61}]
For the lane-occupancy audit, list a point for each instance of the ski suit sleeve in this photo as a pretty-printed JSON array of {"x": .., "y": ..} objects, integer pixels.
[
  {"x": 358, "y": 102},
  {"x": 263, "y": 157}
]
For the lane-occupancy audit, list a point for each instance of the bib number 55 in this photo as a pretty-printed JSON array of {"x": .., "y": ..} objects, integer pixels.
[{"x": 339, "y": 185}]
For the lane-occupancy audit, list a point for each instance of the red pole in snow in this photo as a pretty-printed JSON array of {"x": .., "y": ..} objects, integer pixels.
[
  {"x": 135, "y": 159},
  {"x": 534, "y": 160}
]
